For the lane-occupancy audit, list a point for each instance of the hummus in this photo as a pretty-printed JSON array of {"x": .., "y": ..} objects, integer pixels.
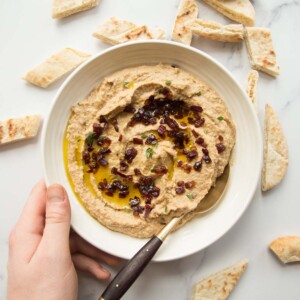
[{"x": 145, "y": 146}]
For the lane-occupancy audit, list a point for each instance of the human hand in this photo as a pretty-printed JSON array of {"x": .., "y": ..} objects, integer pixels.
[{"x": 43, "y": 253}]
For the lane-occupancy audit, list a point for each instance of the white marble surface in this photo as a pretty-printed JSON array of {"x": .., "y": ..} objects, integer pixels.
[{"x": 28, "y": 35}]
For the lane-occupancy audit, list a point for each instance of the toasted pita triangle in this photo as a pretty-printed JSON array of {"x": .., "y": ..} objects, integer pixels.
[
  {"x": 56, "y": 66},
  {"x": 139, "y": 33},
  {"x": 116, "y": 31},
  {"x": 216, "y": 31},
  {"x": 241, "y": 11},
  {"x": 113, "y": 28},
  {"x": 287, "y": 248},
  {"x": 261, "y": 51},
  {"x": 16, "y": 129},
  {"x": 65, "y": 8},
  {"x": 187, "y": 12},
  {"x": 219, "y": 285},
  {"x": 252, "y": 80},
  {"x": 275, "y": 151}
]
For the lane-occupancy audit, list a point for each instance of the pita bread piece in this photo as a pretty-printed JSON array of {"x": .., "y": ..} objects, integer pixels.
[
  {"x": 251, "y": 87},
  {"x": 241, "y": 11},
  {"x": 219, "y": 285},
  {"x": 116, "y": 31},
  {"x": 287, "y": 248},
  {"x": 112, "y": 28},
  {"x": 275, "y": 151},
  {"x": 216, "y": 31},
  {"x": 65, "y": 8},
  {"x": 261, "y": 51},
  {"x": 187, "y": 12},
  {"x": 56, "y": 66},
  {"x": 16, "y": 129}
]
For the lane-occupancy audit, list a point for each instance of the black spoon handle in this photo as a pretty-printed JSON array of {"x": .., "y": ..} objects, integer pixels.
[{"x": 129, "y": 273}]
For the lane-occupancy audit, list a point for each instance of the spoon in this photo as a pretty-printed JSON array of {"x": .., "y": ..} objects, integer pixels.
[{"x": 134, "y": 267}]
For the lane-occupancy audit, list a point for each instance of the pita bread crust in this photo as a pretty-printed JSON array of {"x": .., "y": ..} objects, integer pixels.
[
  {"x": 216, "y": 31},
  {"x": 116, "y": 31},
  {"x": 286, "y": 248},
  {"x": 56, "y": 66},
  {"x": 241, "y": 11},
  {"x": 219, "y": 285},
  {"x": 252, "y": 80},
  {"x": 16, "y": 129},
  {"x": 275, "y": 151},
  {"x": 187, "y": 12},
  {"x": 261, "y": 51},
  {"x": 113, "y": 28},
  {"x": 65, "y": 8}
]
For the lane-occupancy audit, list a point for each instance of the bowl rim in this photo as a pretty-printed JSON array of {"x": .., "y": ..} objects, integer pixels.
[{"x": 189, "y": 48}]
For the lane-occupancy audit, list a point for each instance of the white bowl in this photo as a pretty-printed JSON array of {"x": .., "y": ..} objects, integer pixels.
[{"x": 245, "y": 172}]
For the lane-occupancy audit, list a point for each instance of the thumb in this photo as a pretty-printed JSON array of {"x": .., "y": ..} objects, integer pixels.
[{"x": 57, "y": 222}]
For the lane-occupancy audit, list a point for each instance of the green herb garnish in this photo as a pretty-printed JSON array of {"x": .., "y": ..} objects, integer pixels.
[
  {"x": 144, "y": 135},
  {"x": 128, "y": 210},
  {"x": 190, "y": 196},
  {"x": 90, "y": 139},
  {"x": 168, "y": 82},
  {"x": 198, "y": 94},
  {"x": 125, "y": 84},
  {"x": 149, "y": 152},
  {"x": 220, "y": 118},
  {"x": 166, "y": 208}
]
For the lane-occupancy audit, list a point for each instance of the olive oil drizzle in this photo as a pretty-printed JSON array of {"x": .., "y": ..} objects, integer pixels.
[{"x": 91, "y": 179}]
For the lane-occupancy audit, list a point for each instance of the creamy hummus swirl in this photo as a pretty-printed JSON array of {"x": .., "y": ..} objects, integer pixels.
[{"x": 181, "y": 133}]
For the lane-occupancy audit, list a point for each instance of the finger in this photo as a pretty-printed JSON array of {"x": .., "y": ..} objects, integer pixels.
[
  {"x": 78, "y": 244},
  {"x": 33, "y": 214},
  {"x": 27, "y": 233},
  {"x": 55, "y": 238},
  {"x": 86, "y": 264}
]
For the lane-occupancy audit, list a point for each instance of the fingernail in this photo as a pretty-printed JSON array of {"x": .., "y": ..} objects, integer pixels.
[{"x": 55, "y": 193}]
